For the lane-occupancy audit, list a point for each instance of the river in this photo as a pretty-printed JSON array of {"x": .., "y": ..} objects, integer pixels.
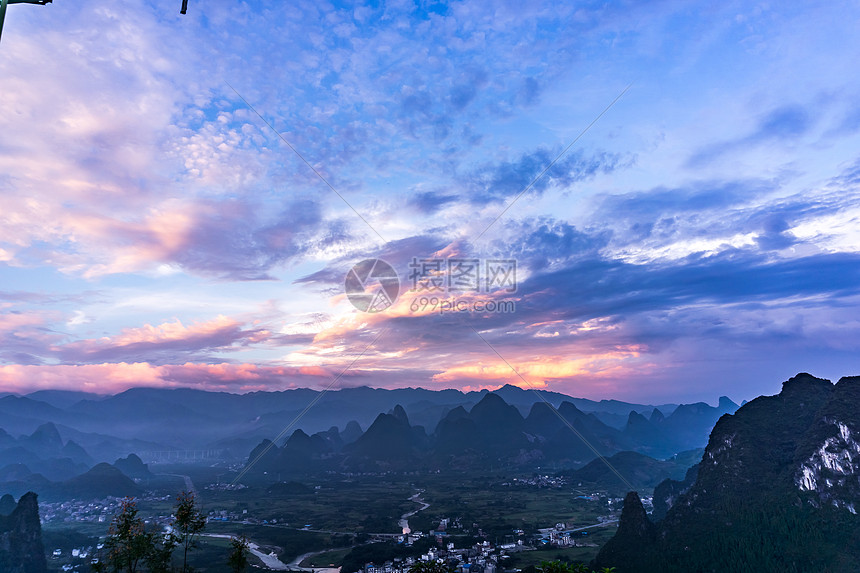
[{"x": 404, "y": 519}]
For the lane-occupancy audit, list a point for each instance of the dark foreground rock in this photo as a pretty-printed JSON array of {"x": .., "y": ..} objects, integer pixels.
[{"x": 21, "y": 549}]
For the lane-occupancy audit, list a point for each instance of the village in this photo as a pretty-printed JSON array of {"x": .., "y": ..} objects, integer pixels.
[
  {"x": 441, "y": 544},
  {"x": 486, "y": 557}
]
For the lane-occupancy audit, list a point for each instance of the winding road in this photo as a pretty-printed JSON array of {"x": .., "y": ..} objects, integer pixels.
[
  {"x": 270, "y": 560},
  {"x": 189, "y": 485},
  {"x": 295, "y": 564}
]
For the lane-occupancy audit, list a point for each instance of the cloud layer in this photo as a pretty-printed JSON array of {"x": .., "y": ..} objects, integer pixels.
[{"x": 701, "y": 238}]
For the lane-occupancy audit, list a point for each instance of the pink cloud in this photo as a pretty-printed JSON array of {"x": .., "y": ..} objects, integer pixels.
[
  {"x": 218, "y": 331},
  {"x": 93, "y": 191},
  {"x": 27, "y": 332},
  {"x": 19, "y": 321},
  {"x": 109, "y": 378},
  {"x": 142, "y": 343}
]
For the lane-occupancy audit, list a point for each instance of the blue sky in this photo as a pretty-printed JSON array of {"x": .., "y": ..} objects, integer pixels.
[{"x": 701, "y": 238}]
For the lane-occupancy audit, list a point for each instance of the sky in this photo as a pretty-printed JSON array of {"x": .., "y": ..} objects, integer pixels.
[{"x": 675, "y": 187}]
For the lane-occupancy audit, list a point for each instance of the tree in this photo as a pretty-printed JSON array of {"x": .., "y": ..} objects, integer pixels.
[
  {"x": 188, "y": 523},
  {"x": 161, "y": 554},
  {"x": 561, "y": 567},
  {"x": 128, "y": 544},
  {"x": 238, "y": 558},
  {"x": 429, "y": 567},
  {"x": 129, "y": 547}
]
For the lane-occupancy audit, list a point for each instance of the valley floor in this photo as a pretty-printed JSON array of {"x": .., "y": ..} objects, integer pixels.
[{"x": 318, "y": 525}]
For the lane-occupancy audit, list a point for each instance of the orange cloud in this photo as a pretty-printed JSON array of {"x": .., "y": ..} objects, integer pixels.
[
  {"x": 172, "y": 331},
  {"x": 537, "y": 371}
]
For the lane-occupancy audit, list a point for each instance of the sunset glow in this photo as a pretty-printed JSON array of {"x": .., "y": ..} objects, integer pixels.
[{"x": 699, "y": 239}]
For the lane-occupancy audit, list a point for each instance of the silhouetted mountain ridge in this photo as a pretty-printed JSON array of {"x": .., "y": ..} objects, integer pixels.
[
  {"x": 492, "y": 433},
  {"x": 783, "y": 468},
  {"x": 195, "y": 419}
]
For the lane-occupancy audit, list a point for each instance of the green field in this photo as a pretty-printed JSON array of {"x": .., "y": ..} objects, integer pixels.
[
  {"x": 327, "y": 559},
  {"x": 370, "y": 506},
  {"x": 499, "y": 509},
  {"x": 330, "y": 515}
]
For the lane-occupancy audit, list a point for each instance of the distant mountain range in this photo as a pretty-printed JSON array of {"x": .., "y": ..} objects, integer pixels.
[
  {"x": 75, "y": 480},
  {"x": 777, "y": 489},
  {"x": 51, "y": 437},
  {"x": 154, "y": 419},
  {"x": 494, "y": 434}
]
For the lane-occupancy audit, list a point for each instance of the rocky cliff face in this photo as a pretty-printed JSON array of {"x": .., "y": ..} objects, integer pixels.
[
  {"x": 21, "y": 549},
  {"x": 777, "y": 489},
  {"x": 832, "y": 470},
  {"x": 827, "y": 465}
]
